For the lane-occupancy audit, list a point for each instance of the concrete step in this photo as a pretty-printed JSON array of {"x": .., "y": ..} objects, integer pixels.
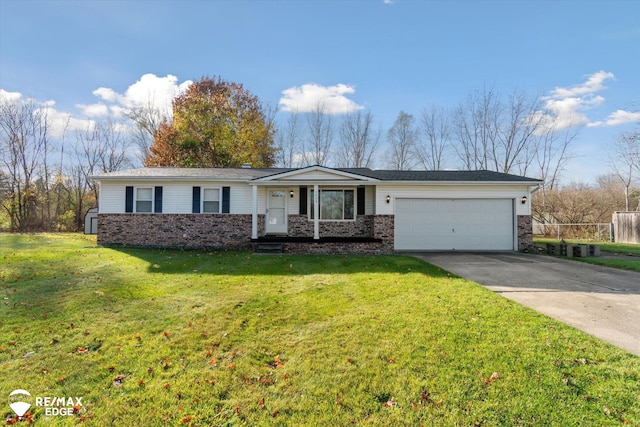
[{"x": 269, "y": 248}]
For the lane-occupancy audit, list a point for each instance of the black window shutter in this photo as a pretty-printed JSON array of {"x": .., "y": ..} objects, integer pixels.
[
  {"x": 226, "y": 199},
  {"x": 195, "y": 200},
  {"x": 303, "y": 200},
  {"x": 128, "y": 199},
  {"x": 157, "y": 206},
  {"x": 360, "y": 198}
]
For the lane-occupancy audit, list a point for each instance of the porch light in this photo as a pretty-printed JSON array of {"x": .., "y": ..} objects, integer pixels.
[
  {"x": 291, "y": 194},
  {"x": 388, "y": 198},
  {"x": 523, "y": 200}
]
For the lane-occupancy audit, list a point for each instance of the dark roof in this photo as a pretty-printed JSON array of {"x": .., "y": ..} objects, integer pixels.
[
  {"x": 255, "y": 173},
  {"x": 214, "y": 173},
  {"x": 469, "y": 176}
]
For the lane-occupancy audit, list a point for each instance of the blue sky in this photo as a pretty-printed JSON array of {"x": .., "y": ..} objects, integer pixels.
[{"x": 87, "y": 59}]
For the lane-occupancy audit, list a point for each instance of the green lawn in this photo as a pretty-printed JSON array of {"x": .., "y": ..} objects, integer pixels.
[
  {"x": 627, "y": 263},
  {"x": 153, "y": 337}
]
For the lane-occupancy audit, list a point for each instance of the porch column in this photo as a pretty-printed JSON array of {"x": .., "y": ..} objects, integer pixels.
[
  {"x": 254, "y": 213},
  {"x": 316, "y": 213}
]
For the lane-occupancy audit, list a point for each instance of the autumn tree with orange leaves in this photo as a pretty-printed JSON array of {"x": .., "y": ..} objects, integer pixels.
[{"x": 215, "y": 124}]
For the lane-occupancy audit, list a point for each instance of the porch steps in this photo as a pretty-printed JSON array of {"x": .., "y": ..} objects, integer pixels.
[{"x": 269, "y": 248}]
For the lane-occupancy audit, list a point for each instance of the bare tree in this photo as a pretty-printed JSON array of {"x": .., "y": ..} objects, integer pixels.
[
  {"x": 146, "y": 120},
  {"x": 100, "y": 148},
  {"x": 476, "y": 125},
  {"x": 358, "y": 141},
  {"x": 288, "y": 142},
  {"x": 625, "y": 161},
  {"x": 402, "y": 138},
  {"x": 319, "y": 137},
  {"x": 431, "y": 150},
  {"x": 24, "y": 137},
  {"x": 552, "y": 152}
]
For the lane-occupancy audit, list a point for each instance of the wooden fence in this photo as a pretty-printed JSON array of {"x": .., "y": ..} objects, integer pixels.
[{"x": 626, "y": 227}]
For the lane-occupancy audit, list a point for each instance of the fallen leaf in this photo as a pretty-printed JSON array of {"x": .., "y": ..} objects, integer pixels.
[
  {"x": 389, "y": 403},
  {"x": 118, "y": 380}
]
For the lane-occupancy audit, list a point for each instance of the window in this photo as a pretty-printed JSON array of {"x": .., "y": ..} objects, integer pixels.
[
  {"x": 211, "y": 200},
  {"x": 335, "y": 205},
  {"x": 144, "y": 199}
]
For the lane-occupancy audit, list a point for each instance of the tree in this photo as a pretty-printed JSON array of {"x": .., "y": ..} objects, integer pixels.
[
  {"x": 24, "y": 149},
  {"x": 358, "y": 141},
  {"x": 288, "y": 142},
  {"x": 146, "y": 120},
  {"x": 215, "y": 124},
  {"x": 625, "y": 161},
  {"x": 402, "y": 138},
  {"x": 436, "y": 132},
  {"x": 317, "y": 147},
  {"x": 497, "y": 133},
  {"x": 101, "y": 148}
]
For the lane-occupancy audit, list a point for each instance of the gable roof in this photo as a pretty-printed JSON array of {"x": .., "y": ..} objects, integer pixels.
[
  {"x": 270, "y": 174},
  {"x": 316, "y": 173}
]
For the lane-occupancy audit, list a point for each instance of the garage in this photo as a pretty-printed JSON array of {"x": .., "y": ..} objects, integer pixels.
[{"x": 454, "y": 224}]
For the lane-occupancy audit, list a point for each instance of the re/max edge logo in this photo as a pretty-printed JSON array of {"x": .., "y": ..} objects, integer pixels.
[{"x": 20, "y": 401}]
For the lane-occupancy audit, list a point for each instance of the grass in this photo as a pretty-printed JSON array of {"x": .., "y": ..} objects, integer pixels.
[
  {"x": 162, "y": 337},
  {"x": 627, "y": 263}
]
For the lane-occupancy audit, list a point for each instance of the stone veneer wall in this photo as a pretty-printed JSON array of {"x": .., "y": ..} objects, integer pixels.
[
  {"x": 175, "y": 230},
  {"x": 525, "y": 233}
]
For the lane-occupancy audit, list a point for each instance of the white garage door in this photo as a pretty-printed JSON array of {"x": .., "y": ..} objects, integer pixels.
[{"x": 454, "y": 224}]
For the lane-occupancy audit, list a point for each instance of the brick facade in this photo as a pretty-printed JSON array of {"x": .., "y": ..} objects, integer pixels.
[
  {"x": 302, "y": 226},
  {"x": 221, "y": 231}
]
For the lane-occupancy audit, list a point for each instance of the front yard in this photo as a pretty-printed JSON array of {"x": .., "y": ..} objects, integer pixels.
[{"x": 153, "y": 337}]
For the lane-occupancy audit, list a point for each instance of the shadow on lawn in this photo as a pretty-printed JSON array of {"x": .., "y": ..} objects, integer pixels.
[{"x": 174, "y": 261}]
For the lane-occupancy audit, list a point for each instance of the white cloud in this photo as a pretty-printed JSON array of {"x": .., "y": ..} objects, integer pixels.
[
  {"x": 94, "y": 110},
  {"x": 63, "y": 124},
  {"x": 309, "y": 97},
  {"x": 106, "y": 94},
  {"x": 10, "y": 96},
  {"x": 594, "y": 83},
  {"x": 150, "y": 90},
  {"x": 567, "y": 107},
  {"x": 618, "y": 117}
]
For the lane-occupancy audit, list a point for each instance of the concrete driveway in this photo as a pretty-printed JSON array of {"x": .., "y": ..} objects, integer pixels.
[{"x": 601, "y": 301}]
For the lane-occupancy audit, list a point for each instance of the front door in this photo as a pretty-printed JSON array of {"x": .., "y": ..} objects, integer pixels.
[{"x": 276, "y": 212}]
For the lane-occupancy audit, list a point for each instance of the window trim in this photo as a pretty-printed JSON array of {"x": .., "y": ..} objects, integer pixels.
[
  {"x": 136, "y": 200},
  {"x": 343, "y": 189},
  {"x": 202, "y": 200}
]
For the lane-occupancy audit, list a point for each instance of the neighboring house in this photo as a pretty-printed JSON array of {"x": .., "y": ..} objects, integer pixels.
[{"x": 316, "y": 209}]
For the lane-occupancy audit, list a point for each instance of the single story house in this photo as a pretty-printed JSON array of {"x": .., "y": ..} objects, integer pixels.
[{"x": 316, "y": 209}]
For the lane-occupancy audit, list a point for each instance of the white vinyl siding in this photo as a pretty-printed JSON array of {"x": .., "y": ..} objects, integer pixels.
[{"x": 176, "y": 197}]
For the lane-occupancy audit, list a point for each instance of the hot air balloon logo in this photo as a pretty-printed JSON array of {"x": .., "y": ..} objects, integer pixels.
[{"x": 20, "y": 401}]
